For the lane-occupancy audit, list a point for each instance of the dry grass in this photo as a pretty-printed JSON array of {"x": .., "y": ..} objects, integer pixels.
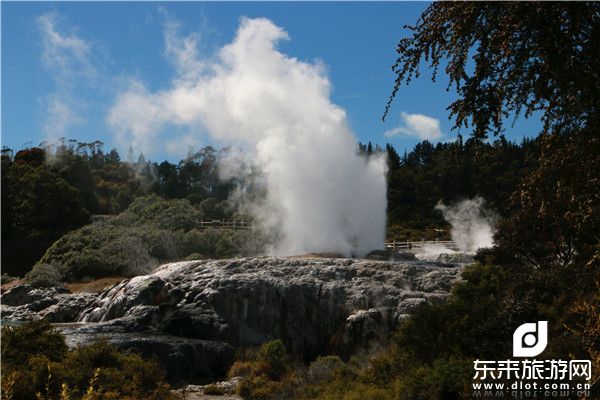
[
  {"x": 94, "y": 286},
  {"x": 11, "y": 284}
]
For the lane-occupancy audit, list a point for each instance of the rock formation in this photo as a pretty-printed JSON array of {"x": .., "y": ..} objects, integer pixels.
[{"x": 315, "y": 305}]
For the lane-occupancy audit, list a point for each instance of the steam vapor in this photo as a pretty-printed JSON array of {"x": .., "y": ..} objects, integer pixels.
[
  {"x": 472, "y": 224},
  {"x": 321, "y": 195}
]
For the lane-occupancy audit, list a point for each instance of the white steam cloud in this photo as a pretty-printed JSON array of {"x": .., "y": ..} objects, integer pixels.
[
  {"x": 321, "y": 195},
  {"x": 418, "y": 125},
  {"x": 472, "y": 225}
]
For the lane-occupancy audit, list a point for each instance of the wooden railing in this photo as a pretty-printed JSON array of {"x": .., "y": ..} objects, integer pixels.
[
  {"x": 233, "y": 224},
  {"x": 407, "y": 245}
]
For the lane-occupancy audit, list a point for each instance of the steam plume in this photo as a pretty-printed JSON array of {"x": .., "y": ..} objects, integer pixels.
[
  {"x": 472, "y": 225},
  {"x": 321, "y": 195}
]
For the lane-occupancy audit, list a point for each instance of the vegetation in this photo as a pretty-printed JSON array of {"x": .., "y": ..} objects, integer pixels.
[
  {"x": 36, "y": 364},
  {"x": 542, "y": 57},
  {"x": 151, "y": 231},
  {"x": 213, "y": 390},
  {"x": 431, "y": 355},
  {"x": 54, "y": 189},
  {"x": 528, "y": 57},
  {"x": 266, "y": 374},
  {"x": 503, "y": 58},
  {"x": 450, "y": 172},
  {"x": 546, "y": 262},
  {"x": 145, "y": 213}
]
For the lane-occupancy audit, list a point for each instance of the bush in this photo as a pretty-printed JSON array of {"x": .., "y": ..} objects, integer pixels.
[
  {"x": 273, "y": 354},
  {"x": 194, "y": 257},
  {"x": 324, "y": 368},
  {"x": 149, "y": 232},
  {"x": 257, "y": 388},
  {"x": 36, "y": 338},
  {"x": 246, "y": 369},
  {"x": 213, "y": 390},
  {"x": 266, "y": 373},
  {"x": 44, "y": 275},
  {"x": 35, "y": 359}
]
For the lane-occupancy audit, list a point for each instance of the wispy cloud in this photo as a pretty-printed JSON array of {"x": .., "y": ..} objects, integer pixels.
[
  {"x": 182, "y": 51},
  {"x": 59, "y": 116},
  {"x": 417, "y": 125},
  {"x": 65, "y": 54},
  {"x": 68, "y": 59}
]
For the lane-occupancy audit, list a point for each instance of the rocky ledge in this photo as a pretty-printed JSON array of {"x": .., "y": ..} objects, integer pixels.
[
  {"x": 55, "y": 304},
  {"x": 316, "y": 305}
]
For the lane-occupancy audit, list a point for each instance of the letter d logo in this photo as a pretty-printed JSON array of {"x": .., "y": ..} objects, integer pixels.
[{"x": 530, "y": 339}]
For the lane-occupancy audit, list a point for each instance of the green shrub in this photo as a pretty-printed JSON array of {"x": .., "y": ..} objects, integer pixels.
[
  {"x": 149, "y": 232},
  {"x": 6, "y": 278},
  {"x": 44, "y": 275},
  {"x": 324, "y": 368},
  {"x": 274, "y": 355},
  {"x": 35, "y": 359},
  {"x": 213, "y": 390},
  {"x": 257, "y": 388},
  {"x": 195, "y": 256},
  {"x": 36, "y": 338},
  {"x": 247, "y": 368}
]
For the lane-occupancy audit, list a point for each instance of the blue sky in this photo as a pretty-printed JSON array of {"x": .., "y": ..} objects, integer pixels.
[{"x": 66, "y": 65}]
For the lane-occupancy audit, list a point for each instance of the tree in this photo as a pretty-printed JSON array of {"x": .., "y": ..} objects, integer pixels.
[
  {"x": 527, "y": 57},
  {"x": 167, "y": 182},
  {"x": 43, "y": 207},
  {"x": 507, "y": 57},
  {"x": 503, "y": 59}
]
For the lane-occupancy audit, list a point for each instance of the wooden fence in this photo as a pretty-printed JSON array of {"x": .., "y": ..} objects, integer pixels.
[
  {"x": 236, "y": 225},
  {"x": 215, "y": 223},
  {"x": 407, "y": 245}
]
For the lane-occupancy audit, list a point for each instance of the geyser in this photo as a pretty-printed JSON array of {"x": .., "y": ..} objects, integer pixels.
[
  {"x": 321, "y": 195},
  {"x": 472, "y": 225}
]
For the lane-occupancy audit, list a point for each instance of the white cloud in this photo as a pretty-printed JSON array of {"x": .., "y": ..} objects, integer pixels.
[
  {"x": 66, "y": 54},
  {"x": 321, "y": 195},
  {"x": 418, "y": 125},
  {"x": 68, "y": 58},
  {"x": 183, "y": 51}
]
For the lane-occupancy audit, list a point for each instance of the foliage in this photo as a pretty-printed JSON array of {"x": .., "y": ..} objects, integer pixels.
[
  {"x": 50, "y": 190},
  {"x": 44, "y": 275},
  {"x": 37, "y": 364},
  {"x": 273, "y": 354},
  {"x": 6, "y": 278},
  {"x": 431, "y": 355},
  {"x": 149, "y": 232},
  {"x": 105, "y": 184},
  {"x": 31, "y": 339},
  {"x": 38, "y": 206},
  {"x": 267, "y": 374},
  {"x": 324, "y": 368},
  {"x": 559, "y": 203},
  {"x": 450, "y": 172},
  {"x": 532, "y": 57},
  {"x": 213, "y": 390}
]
